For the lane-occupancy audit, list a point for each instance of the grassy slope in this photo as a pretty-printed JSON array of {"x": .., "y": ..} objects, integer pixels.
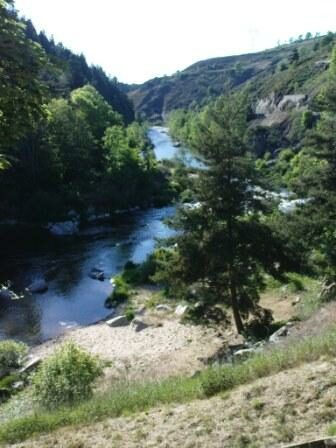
[
  {"x": 213, "y": 77},
  {"x": 129, "y": 399},
  {"x": 293, "y": 405}
]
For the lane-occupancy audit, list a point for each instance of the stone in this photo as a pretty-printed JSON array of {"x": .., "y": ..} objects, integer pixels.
[
  {"x": 141, "y": 311},
  {"x": 276, "y": 336},
  {"x": 289, "y": 102},
  {"x": 164, "y": 308},
  {"x": 18, "y": 385},
  {"x": 97, "y": 274},
  {"x": 119, "y": 321},
  {"x": 242, "y": 355},
  {"x": 7, "y": 294},
  {"x": 65, "y": 228},
  {"x": 138, "y": 325},
  {"x": 31, "y": 364},
  {"x": 38, "y": 286},
  {"x": 181, "y": 310},
  {"x": 296, "y": 301},
  {"x": 323, "y": 64},
  {"x": 233, "y": 348}
]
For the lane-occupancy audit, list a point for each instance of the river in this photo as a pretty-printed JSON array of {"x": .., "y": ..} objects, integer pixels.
[{"x": 73, "y": 298}]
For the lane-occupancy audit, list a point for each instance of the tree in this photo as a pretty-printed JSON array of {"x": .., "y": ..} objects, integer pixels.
[
  {"x": 294, "y": 56},
  {"x": 320, "y": 185},
  {"x": 69, "y": 138},
  {"x": 224, "y": 244},
  {"x": 95, "y": 110},
  {"x": 3, "y": 162},
  {"x": 21, "y": 92}
]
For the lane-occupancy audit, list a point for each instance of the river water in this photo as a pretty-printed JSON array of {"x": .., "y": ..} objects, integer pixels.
[{"x": 73, "y": 298}]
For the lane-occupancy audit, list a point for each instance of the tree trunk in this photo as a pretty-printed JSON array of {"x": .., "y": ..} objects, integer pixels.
[{"x": 235, "y": 308}]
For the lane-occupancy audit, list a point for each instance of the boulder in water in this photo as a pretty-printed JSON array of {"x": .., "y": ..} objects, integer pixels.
[
  {"x": 7, "y": 294},
  {"x": 97, "y": 274},
  {"x": 38, "y": 286},
  {"x": 66, "y": 228}
]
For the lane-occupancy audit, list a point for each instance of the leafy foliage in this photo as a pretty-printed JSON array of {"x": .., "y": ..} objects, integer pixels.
[
  {"x": 121, "y": 292},
  {"x": 21, "y": 91},
  {"x": 11, "y": 355},
  {"x": 61, "y": 123},
  {"x": 66, "y": 377}
]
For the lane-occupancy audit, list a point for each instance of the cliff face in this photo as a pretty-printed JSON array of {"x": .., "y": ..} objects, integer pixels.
[{"x": 282, "y": 78}]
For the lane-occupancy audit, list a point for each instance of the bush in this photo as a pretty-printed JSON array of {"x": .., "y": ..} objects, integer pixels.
[
  {"x": 11, "y": 355},
  {"x": 130, "y": 313},
  {"x": 66, "y": 377},
  {"x": 120, "y": 293},
  {"x": 139, "y": 274},
  {"x": 217, "y": 379},
  {"x": 295, "y": 283}
]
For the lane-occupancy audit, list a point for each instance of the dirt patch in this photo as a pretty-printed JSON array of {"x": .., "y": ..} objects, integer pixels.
[{"x": 281, "y": 306}]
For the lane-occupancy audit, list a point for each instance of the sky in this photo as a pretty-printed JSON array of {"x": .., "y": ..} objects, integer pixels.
[{"x": 136, "y": 40}]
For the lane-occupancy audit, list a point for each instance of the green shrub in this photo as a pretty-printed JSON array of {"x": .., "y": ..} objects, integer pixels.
[
  {"x": 138, "y": 274},
  {"x": 216, "y": 380},
  {"x": 11, "y": 355},
  {"x": 295, "y": 283},
  {"x": 121, "y": 292},
  {"x": 9, "y": 380},
  {"x": 130, "y": 314},
  {"x": 66, "y": 377}
]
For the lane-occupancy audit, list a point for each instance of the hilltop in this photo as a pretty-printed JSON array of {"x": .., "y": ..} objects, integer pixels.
[{"x": 288, "y": 69}]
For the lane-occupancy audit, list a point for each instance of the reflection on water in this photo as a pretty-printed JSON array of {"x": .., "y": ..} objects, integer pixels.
[{"x": 73, "y": 297}]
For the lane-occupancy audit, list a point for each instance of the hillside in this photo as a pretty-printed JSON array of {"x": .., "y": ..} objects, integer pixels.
[
  {"x": 287, "y": 69},
  {"x": 286, "y": 398},
  {"x": 291, "y": 406}
]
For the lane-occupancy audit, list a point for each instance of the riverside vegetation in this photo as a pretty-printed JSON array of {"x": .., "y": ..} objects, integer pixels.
[{"x": 76, "y": 145}]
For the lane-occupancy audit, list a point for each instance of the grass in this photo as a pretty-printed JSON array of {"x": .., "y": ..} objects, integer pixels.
[
  {"x": 297, "y": 285},
  {"x": 223, "y": 378},
  {"x": 129, "y": 398},
  {"x": 122, "y": 400}
]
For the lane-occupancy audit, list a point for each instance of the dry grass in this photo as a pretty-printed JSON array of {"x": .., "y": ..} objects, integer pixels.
[{"x": 293, "y": 405}]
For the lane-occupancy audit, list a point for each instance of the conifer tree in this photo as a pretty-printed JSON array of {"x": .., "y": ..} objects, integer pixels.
[{"x": 224, "y": 245}]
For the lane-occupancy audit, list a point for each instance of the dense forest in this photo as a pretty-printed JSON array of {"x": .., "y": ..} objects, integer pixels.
[{"x": 68, "y": 139}]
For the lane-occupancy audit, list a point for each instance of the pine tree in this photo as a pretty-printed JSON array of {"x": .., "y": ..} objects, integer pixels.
[
  {"x": 321, "y": 184},
  {"x": 224, "y": 245}
]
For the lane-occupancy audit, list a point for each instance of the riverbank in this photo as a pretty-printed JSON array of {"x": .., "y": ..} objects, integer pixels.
[
  {"x": 165, "y": 348},
  {"x": 215, "y": 408}
]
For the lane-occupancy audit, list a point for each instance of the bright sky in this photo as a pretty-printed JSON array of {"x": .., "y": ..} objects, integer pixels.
[{"x": 136, "y": 40}]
